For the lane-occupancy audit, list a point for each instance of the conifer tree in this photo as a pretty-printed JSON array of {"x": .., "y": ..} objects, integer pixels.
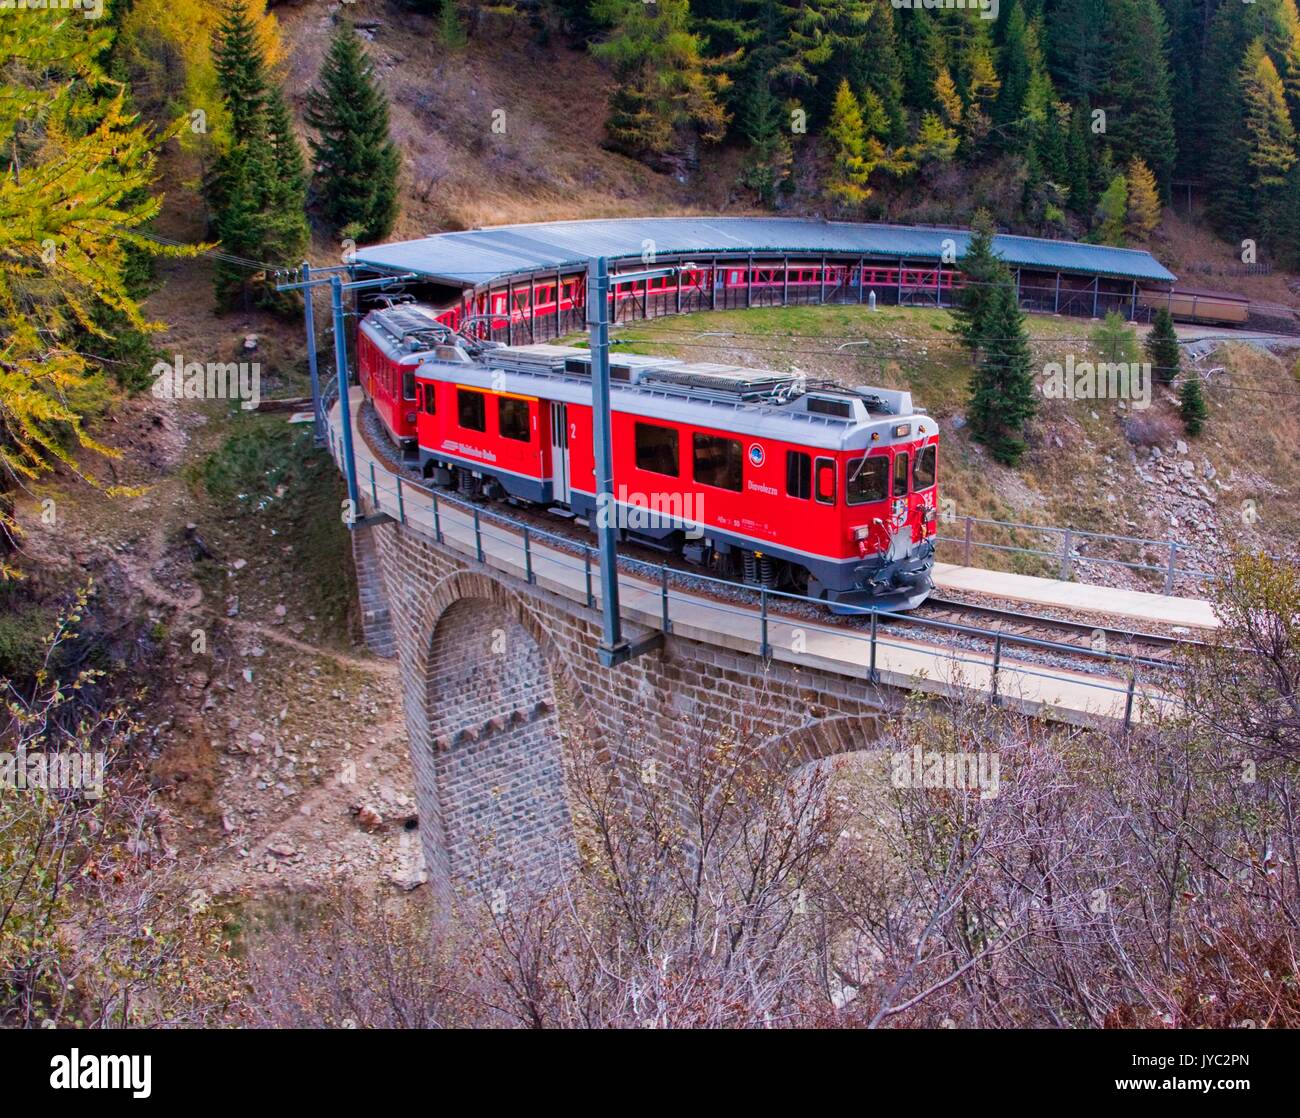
[
  {"x": 1286, "y": 239},
  {"x": 1080, "y": 163},
  {"x": 1016, "y": 72},
  {"x": 1191, "y": 404},
  {"x": 936, "y": 143},
  {"x": 1143, "y": 201},
  {"x": 1224, "y": 140},
  {"x": 846, "y": 185},
  {"x": 665, "y": 85},
  {"x": 1162, "y": 347},
  {"x": 356, "y": 160},
  {"x": 947, "y": 98},
  {"x": 1076, "y": 49},
  {"x": 257, "y": 193},
  {"x": 1270, "y": 137},
  {"x": 452, "y": 31},
  {"x": 241, "y": 70},
  {"x": 982, "y": 87},
  {"x": 1002, "y": 397},
  {"x": 1137, "y": 86},
  {"x": 1051, "y": 144},
  {"x": 767, "y": 169},
  {"x": 1112, "y": 212},
  {"x": 982, "y": 270}
]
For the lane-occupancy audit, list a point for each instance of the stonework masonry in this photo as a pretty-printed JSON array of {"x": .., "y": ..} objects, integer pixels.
[{"x": 484, "y": 658}]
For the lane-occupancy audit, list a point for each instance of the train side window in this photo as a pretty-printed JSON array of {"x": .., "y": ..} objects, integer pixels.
[
  {"x": 656, "y": 449},
  {"x": 798, "y": 474},
  {"x": 924, "y": 468},
  {"x": 430, "y": 400},
  {"x": 512, "y": 416},
  {"x": 868, "y": 480},
  {"x": 471, "y": 411},
  {"x": 719, "y": 462},
  {"x": 408, "y": 384},
  {"x": 825, "y": 481},
  {"x": 900, "y": 474}
]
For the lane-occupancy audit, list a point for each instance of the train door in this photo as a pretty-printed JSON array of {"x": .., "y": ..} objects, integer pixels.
[
  {"x": 900, "y": 543},
  {"x": 559, "y": 453}
]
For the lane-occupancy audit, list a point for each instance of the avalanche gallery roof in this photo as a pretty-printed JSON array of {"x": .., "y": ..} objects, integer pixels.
[{"x": 481, "y": 256}]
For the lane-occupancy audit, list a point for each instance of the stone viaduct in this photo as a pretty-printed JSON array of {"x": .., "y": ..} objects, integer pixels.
[
  {"x": 490, "y": 664},
  {"x": 494, "y": 659}
]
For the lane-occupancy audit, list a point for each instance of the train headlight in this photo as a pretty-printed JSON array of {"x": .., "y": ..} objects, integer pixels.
[
  {"x": 862, "y": 533},
  {"x": 902, "y": 430}
]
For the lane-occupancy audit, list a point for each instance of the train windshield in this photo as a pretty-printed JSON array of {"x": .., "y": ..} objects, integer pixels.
[
  {"x": 868, "y": 480},
  {"x": 923, "y": 471}
]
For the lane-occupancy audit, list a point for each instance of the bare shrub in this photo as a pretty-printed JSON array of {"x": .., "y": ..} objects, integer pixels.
[
  {"x": 100, "y": 924},
  {"x": 1104, "y": 880}
]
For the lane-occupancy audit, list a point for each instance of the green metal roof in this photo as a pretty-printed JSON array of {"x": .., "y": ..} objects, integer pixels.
[{"x": 481, "y": 256}]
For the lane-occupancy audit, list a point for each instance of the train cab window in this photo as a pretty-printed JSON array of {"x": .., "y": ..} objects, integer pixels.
[
  {"x": 408, "y": 384},
  {"x": 924, "y": 468},
  {"x": 798, "y": 474},
  {"x": 471, "y": 412},
  {"x": 656, "y": 449},
  {"x": 868, "y": 480},
  {"x": 719, "y": 462},
  {"x": 900, "y": 474},
  {"x": 430, "y": 400},
  {"x": 512, "y": 416},
  {"x": 824, "y": 488}
]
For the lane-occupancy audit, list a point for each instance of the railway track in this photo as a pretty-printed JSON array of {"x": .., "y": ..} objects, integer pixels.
[
  {"x": 1084, "y": 634},
  {"x": 1017, "y": 635}
]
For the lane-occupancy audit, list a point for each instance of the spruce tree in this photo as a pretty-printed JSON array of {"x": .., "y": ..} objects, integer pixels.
[
  {"x": 1002, "y": 397},
  {"x": 1076, "y": 49},
  {"x": 241, "y": 70},
  {"x": 1162, "y": 348},
  {"x": 1191, "y": 404},
  {"x": 982, "y": 271},
  {"x": 356, "y": 160},
  {"x": 1017, "y": 73},
  {"x": 257, "y": 192},
  {"x": 1137, "y": 85},
  {"x": 1079, "y": 161},
  {"x": 767, "y": 169}
]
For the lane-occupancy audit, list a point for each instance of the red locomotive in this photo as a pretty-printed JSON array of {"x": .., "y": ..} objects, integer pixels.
[{"x": 752, "y": 474}]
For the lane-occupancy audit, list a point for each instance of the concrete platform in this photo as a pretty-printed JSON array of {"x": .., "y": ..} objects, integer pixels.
[{"x": 1107, "y": 603}]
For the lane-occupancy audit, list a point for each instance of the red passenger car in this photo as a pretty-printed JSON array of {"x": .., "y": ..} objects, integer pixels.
[
  {"x": 755, "y": 475},
  {"x": 391, "y": 343}
]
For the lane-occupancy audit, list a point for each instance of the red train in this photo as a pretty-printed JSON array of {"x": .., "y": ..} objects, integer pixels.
[{"x": 752, "y": 474}]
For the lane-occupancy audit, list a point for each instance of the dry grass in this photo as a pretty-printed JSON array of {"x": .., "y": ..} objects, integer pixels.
[{"x": 547, "y": 165}]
